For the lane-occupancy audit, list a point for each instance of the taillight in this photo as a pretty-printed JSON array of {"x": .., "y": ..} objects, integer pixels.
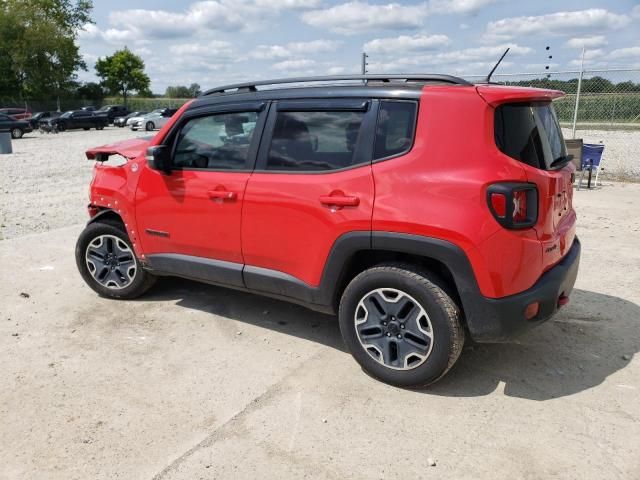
[{"x": 514, "y": 205}]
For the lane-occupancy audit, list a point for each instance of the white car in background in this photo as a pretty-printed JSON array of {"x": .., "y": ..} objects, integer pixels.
[{"x": 154, "y": 120}]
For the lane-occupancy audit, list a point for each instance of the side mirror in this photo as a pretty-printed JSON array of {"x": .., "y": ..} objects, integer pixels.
[{"x": 158, "y": 158}]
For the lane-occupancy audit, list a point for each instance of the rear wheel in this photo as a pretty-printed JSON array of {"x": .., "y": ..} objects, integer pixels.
[
  {"x": 100, "y": 127},
  {"x": 149, "y": 126},
  {"x": 400, "y": 326},
  {"x": 107, "y": 263},
  {"x": 61, "y": 127},
  {"x": 16, "y": 133}
]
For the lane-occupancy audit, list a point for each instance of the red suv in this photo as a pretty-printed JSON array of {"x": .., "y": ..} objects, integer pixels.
[{"x": 420, "y": 209}]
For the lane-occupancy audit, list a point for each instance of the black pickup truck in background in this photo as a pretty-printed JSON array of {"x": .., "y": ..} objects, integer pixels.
[
  {"x": 112, "y": 112},
  {"x": 74, "y": 119}
]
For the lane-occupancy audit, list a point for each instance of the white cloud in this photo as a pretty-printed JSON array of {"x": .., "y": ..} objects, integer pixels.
[
  {"x": 635, "y": 12},
  {"x": 459, "y": 6},
  {"x": 466, "y": 60},
  {"x": 587, "y": 42},
  {"x": 559, "y": 23},
  {"x": 355, "y": 17},
  {"x": 208, "y": 15},
  {"x": 289, "y": 4},
  {"x": 625, "y": 53},
  {"x": 336, "y": 70},
  {"x": 293, "y": 64},
  {"x": 295, "y": 49},
  {"x": 89, "y": 31},
  {"x": 217, "y": 48},
  {"x": 406, "y": 43}
]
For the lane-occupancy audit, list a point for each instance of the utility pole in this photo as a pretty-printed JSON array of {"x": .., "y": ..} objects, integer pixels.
[
  {"x": 575, "y": 111},
  {"x": 364, "y": 63}
]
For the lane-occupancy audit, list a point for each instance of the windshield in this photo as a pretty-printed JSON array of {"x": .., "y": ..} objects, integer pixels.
[
  {"x": 66, "y": 114},
  {"x": 105, "y": 108},
  {"x": 530, "y": 132}
]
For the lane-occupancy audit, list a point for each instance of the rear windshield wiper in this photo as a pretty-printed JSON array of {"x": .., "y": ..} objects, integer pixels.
[{"x": 561, "y": 161}]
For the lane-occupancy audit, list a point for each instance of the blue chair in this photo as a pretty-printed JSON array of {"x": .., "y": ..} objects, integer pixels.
[{"x": 591, "y": 160}]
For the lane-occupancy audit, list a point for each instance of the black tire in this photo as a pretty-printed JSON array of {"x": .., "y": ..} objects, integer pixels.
[
  {"x": 62, "y": 127},
  {"x": 140, "y": 281},
  {"x": 86, "y": 128},
  {"x": 16, "y": 133},
  {"x": 434, "y": 306},
  {"x": 100, "y": 127},
  {"x": 149, "y": 126}
]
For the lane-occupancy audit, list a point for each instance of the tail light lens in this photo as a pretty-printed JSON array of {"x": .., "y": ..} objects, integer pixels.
[{"x": 514, "y": 205}]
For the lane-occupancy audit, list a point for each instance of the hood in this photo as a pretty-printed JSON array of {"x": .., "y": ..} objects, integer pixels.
[{"x": 128, "y": 148}]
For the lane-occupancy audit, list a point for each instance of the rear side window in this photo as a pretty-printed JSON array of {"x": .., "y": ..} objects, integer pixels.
[
  {"x": 314, "y": 141},
  {"x": 530, "y": 132},
  {"x": 395, "y": 129},
  {"x": 216, "y": 142}
]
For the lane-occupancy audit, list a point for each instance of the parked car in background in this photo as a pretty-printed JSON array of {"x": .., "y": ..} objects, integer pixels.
[
  {"x": 74, "y": 119},
  {"x": 154, "y": 120},
  {"x": 17, "y": 113},
  {"x": 113, "y": 111},
  {"x": 37, "y": 117},
  {"x": 122, "y": 121},
  {"x": 17, "y": 127}
]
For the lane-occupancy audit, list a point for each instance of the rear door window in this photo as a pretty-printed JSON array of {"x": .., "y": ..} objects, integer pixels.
[
  {"x": 315, "y": 140},
  {"x": 530, "y": 133}
]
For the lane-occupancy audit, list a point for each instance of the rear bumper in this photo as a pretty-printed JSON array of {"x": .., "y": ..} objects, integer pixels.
[{"x": 499, "y": 319}]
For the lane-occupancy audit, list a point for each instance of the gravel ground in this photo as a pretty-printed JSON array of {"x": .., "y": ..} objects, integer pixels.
[
  {"x": 44, "y": 184},
  {"x": 193, "y": 381}
]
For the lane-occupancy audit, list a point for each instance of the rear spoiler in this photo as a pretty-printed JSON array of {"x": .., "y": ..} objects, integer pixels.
[{"x": 498, "y": 94}]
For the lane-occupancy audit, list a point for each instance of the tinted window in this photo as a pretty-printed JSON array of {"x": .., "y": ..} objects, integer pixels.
[
  {"x": 395, "y": 130},
  {"x": 530, "y": 133},
  {"x": 313, "y": 141},
  {"x": 217, "y": 142},
  {"x": 82, "y": 114}
]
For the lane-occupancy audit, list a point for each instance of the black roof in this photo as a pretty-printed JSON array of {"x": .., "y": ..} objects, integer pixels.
[{"x": 354, "y": 86}]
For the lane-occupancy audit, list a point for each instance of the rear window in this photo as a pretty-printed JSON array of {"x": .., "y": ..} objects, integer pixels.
[
  {"x": 396, "y": 125},
  {"x": 530, "y": 132}
]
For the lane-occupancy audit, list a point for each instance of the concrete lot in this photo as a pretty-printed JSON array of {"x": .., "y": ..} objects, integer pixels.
[{"x": 194, "y": 381}]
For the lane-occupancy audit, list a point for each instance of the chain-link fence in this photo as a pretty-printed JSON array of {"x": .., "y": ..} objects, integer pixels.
[{"x": 607, "y": 111}]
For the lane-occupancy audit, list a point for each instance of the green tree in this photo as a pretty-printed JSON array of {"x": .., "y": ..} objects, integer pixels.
[
  {"x": 91, "y": 91},
  {"x": 194, "y": 90},
  {"x": 38, "y": 52},
  {"x": 123, "y": 73},
  {"x": 178, "y": 91}
]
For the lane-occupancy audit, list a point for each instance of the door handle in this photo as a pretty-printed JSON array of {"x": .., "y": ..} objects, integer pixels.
[
  {"x": 222, "y": 195},
  {"x": 340, "y": 200}
]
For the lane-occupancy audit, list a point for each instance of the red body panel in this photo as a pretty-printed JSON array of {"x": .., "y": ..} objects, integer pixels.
[
  {"x": 184, "y": 216},
  {"x": 287, "y": 228}
]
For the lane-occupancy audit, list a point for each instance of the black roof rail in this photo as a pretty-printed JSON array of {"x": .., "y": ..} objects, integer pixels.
[{"x": 251, "y": 86}]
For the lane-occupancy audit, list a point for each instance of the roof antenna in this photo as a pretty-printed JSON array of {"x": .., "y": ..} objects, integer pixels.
[{"x": 488, "y": 79}]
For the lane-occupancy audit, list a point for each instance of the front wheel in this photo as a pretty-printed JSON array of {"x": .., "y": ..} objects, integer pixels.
[
  {"x": 107, "y": 263},
  {"x": 400, "y": 326},
  {"x": 16, "y": 133},
  {"x": 149, "y": 126},
  {"x": 100, "y": 127}
]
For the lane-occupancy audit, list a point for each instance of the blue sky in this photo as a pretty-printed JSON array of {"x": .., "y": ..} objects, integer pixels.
[{"x": 220, "y": 41}]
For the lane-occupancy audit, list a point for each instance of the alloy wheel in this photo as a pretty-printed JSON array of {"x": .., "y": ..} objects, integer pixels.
[
  {"x": 111, "y": 262},
  {"x": 394, "y": 328}
]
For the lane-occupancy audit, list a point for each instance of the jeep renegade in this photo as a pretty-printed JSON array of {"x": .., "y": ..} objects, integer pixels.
[{"x": 420, "y": 209}]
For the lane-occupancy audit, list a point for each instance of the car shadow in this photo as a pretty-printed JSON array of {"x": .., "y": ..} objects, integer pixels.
[{"x": 586, "y": 342}]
